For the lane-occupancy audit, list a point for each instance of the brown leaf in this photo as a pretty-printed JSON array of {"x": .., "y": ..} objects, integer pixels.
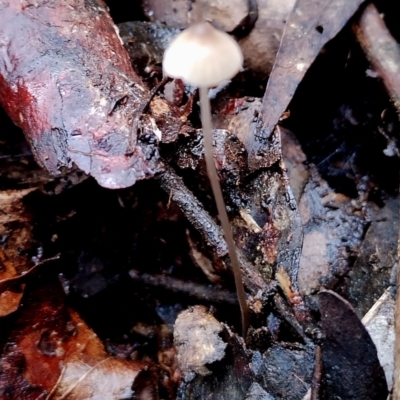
[
  {"x": 51, "y": 353},
  {"x": 83, "y": 378},
  {"x": 261, "y": 45},
  {"x": 15, "y": 228},
  {"x": 350, "y": 362}
]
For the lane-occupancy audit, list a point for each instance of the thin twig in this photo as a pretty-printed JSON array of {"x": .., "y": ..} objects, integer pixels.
[
  {"x": 382, "y": 50},
  {"x": 192, "y": 289},
  {"x": 216, "y": 188},
  {"x": 193, "y": 210},
  {"x": 317, "y": 376},
  {"x": 287, "y": 314},
  {"x": 5, "y": 284},
  {"x": 212, "y": 233}
]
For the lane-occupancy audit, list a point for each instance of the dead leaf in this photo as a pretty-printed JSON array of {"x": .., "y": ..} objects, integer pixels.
[
  {"x": 311, "y": 24},
  {"x": 16, "y": 231},
  {"x": 261, "y": 45},
  {"x": 51, "y": 353},
  {"x": 379, "y": 322},
  {"x": 350, "y": 363},
  {"x": 84, "y": 378}
]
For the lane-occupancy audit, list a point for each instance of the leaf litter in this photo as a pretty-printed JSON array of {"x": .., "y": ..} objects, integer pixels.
[{"x": 306, "y": 210}]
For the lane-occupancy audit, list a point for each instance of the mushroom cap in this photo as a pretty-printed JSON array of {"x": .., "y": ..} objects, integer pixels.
[{"x": 203, "y": 56}]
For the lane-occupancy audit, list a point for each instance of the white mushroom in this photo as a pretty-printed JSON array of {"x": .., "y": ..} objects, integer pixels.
[{"x": 204, "y": 56}]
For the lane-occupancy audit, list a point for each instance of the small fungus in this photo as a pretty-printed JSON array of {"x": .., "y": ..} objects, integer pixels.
[{"x": 203, "y": 56}]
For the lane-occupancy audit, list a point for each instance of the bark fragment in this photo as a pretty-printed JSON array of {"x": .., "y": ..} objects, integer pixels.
[{"x": 66, "y": 80}]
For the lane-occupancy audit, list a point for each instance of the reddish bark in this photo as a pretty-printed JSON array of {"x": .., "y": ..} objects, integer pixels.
[{"x": 66, "y": 80}]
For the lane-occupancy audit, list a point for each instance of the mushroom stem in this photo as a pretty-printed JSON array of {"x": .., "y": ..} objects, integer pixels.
[{"x": 216, "y": 188}]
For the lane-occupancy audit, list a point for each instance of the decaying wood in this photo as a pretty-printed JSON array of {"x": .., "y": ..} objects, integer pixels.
[{"x": 66, "y": 80}]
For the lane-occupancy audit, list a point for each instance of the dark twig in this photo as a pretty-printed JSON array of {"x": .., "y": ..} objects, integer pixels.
[
  {"x": 287, "y": 314},
  {"x": 7, "y": 283},
  {"x": 212, "y": 233},
  {"x": 203, "y": 292},
  {"x": 193, "y": 210},
  {"x": 317, "y": 376}
]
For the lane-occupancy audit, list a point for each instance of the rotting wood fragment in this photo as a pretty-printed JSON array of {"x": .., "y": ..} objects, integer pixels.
[
  {"x": 230, "y": 378},
  {"x": 197, "y": 341},
  {"x": 66, "y": 80}
]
